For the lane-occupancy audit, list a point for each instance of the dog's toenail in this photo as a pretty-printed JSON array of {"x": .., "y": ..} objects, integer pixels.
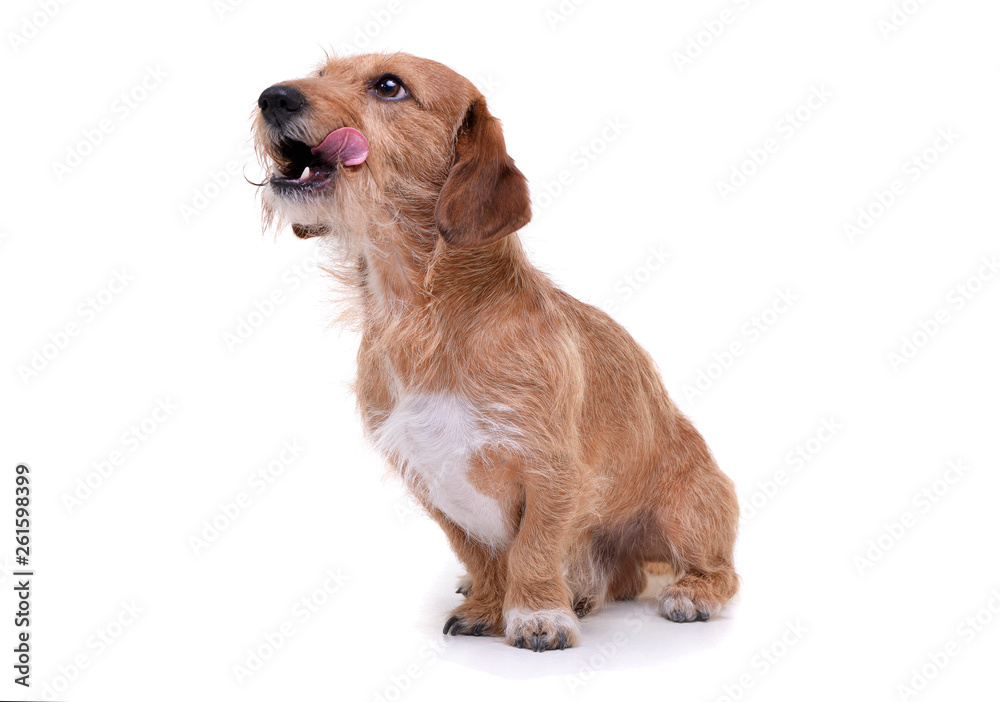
[{"x": 561, "y": 637}]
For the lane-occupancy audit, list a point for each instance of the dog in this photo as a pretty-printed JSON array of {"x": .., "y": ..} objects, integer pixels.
[{"x": 532, "y": 427}]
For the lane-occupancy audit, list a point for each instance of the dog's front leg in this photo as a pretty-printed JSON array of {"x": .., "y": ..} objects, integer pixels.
[
  {"x": 482, "y": 613},
  {"x": 537, "y": 603}
]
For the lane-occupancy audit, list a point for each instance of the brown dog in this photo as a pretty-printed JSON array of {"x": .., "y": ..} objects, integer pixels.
[{"x": 532, "y": 427}]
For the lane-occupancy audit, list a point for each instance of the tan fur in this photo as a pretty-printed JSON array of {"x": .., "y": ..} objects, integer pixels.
[{"x": 595, "y": 470}]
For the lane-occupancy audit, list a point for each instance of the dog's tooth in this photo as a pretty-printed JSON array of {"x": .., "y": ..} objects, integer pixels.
[{"x": 305, "y": 174}]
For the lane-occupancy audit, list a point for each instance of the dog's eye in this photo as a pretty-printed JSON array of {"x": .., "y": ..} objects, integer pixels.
[{"x": 389, "y": 87}]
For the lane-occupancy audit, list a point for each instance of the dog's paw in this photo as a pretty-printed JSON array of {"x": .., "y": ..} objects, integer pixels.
[
  {"x": 474, "y": 619},
  {"x": 465, "y": 585},
  {"x": 584, "y": 606},
  {"x": 542, "y": 630},
  {"x": 679, "y": 607}
]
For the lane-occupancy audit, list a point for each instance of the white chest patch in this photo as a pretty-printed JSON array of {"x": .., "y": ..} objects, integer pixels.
[{"x": 435, "y": 435}]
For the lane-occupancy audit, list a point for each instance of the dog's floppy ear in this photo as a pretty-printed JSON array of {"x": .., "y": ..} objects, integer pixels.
[{"x": 485, "y": 197}]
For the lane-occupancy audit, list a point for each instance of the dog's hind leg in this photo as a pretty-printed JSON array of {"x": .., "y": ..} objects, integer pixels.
[
  {"x": 697, "y": 521},
  {"x": 628, "y": 579},
  {"x": 587, "y": 573},
  {"x": 601, "y": 569}
]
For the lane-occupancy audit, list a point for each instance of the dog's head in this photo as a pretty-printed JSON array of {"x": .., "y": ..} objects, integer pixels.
[{"x": 383, "y": 136}]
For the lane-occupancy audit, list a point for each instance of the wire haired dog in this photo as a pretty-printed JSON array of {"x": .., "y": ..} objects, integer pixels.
[{"x": 530, "y": 425}]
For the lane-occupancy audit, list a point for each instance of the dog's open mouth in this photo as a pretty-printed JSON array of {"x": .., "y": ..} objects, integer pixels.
[{"x": 302, "y": 167}]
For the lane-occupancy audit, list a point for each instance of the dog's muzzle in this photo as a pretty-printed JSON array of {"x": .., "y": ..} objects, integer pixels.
[
  {"x": 279, "y": 104},
  {"x": 300, "y": 167},
  {"x": 306, "y": 168}
]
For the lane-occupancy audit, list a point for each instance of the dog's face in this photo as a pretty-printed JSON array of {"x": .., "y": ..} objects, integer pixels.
[{"x": 387, "y": 133}]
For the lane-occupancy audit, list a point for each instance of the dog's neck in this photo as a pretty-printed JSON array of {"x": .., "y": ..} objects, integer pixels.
[
  {"x": 422, "y": 299},
  {"x": 408, "y": 269}
]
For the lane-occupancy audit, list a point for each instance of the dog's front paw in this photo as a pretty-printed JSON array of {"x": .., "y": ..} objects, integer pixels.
[
  {"x": 474, "y": 619},
  {"x": 541, "y": 630}
]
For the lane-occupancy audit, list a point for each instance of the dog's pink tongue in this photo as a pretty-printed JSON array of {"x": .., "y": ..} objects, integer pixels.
[{"x": 345, "y": 144}]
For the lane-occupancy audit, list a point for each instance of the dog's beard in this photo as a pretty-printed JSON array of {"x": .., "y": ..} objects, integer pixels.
[
  {"x": 362, "y": 226},
  {"x": 304, "y": 208},
  {"x": 341, "y": 214}
]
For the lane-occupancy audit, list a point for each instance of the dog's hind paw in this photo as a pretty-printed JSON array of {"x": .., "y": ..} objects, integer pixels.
[
  {"x": 680, "y": 608},
  {"x": 465, "y": 585}
]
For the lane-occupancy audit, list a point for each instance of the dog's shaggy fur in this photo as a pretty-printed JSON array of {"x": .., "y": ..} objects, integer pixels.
[{"x": 532, "y": 427}]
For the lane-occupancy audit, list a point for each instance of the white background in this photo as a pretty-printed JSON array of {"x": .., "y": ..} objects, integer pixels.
[{"x": 154, "y": 198}]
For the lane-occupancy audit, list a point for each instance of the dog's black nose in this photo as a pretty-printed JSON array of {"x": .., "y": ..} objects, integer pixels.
[{"x": 279, "y": 103}]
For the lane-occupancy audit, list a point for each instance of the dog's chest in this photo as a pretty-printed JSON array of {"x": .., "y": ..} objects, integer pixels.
[{"x": 435, "y": 436}]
